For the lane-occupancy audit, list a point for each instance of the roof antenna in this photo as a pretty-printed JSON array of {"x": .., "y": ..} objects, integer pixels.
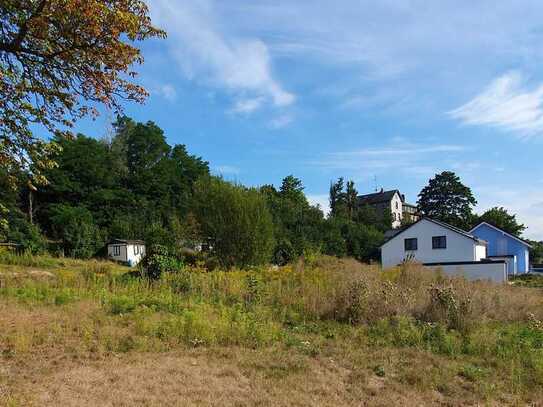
[{"x": 375, "y": 182}]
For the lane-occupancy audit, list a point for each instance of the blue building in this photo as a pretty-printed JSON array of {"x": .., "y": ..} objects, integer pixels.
[{"x": 504, "y": 246}]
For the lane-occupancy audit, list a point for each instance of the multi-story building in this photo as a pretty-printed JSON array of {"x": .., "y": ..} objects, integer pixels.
[{"x": 401, "y": 211}]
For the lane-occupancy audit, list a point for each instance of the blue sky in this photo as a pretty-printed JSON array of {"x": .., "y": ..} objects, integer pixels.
[{"x": 390, "y": 90}]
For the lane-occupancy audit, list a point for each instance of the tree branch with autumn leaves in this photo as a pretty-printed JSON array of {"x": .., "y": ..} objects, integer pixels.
[{"x": 60, "y": 58}]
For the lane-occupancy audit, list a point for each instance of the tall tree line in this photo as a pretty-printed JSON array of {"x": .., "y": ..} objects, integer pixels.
[{"x": 136, "y": 186}]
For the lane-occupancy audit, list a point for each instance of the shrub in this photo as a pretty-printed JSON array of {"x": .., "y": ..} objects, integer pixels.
[
  {"x": 158, "y": 260},
  {"x": 448, "y": 307},
  {"x": 283, "y": 253},
  {"x": 28, "y": 236}
]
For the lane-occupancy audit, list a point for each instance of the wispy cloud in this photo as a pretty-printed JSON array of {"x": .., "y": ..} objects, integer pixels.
[
  {"x": 247, "y": 105},
  {"x": 204, "y": 50},
  {"x": 506, "y": 104},
  {"x": 417, "y": 160},
  {"x": 402, "y": 150},
  {"x": 167, "y": 91},
  {"x": 281, "y": 121}
]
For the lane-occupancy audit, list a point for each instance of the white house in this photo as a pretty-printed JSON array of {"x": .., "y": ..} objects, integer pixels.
[
  {"x": 438, "y": 245},
  {"x": 392, "y": 201},
  {"x": 431, "y": 241},
  {"x": 126, "y": 251}
]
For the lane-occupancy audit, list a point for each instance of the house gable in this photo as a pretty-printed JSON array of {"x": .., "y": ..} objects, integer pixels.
[
  {"x": 430, "y": 241},
  {"x": 441, "y": 224},
  {"x": 501, "y": 243},
  {"x": 497, "y": 229}
]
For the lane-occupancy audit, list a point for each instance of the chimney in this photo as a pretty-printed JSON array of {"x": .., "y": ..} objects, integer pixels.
[{"x": 382, "y": 190}]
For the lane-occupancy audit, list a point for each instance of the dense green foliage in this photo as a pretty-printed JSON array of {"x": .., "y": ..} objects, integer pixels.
[
  {"x": 136, "y": 186},
  {"x": 75, "y": 226},
  {"x": 502, "y": 219},
  {"x": 353, "y": 230},
  {"x": 536, "y": 252},
  {"x": 235, "y": 221},
  {"x": 297, "y": 225},
  {"x": 445, "y": 198},
  {"x": 159, "y": 260}
]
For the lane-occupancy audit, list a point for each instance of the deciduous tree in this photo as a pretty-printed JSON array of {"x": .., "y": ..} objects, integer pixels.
[
  {"x": 58, "y": 59},
  {"x": 445, "y": 198},
  {"x": 499, "y": 217},
  {"x": 236, "y": 220}
]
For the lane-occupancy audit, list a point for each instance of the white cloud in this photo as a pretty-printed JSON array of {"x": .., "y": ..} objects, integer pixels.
[
  {"x": 167, "y": 91},
  {"x": 390, "y": 37},
  {"x": 206, "y": 51},
  {"x": 248, "y": 105},
  {"x": 507, "y": 104},
  {"x": 281, "y": 121}
]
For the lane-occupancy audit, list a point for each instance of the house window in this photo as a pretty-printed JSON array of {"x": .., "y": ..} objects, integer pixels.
[
  {"x": 439, "y": 242},
  {"x": 397, "y": 207},
  {"x": 410, "y": 244},
  {"x": 136, "y": 249},
  {"x": 116, "y": 250}
]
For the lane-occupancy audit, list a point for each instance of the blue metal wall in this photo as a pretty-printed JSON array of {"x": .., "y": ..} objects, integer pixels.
[{"x": 500, "y": 244}]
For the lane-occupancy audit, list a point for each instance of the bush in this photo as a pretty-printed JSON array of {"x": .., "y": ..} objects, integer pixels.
[
  {"x": 23, "y": 233},
  {"x": 283, "y": 253},
  {"x": 446, "y": 306},
  {"x": 158, "y": 260}
]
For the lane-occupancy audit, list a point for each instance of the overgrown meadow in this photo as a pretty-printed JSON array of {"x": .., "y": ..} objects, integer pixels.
[{"x": 489, "y": 337}]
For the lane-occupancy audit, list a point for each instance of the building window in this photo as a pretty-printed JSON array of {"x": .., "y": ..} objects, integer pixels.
[
  {"x": 116, "y": 250},
  {"x": 439, "y": 242},
  {"x": 397, "y": 206},
  {"x": 411, "y": 244},
  {"x": 136, "y": 249}
]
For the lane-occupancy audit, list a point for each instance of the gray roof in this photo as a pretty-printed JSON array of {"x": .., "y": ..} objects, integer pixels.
[
  {"x": 457, "y": 230},
  {"x": 125, "y": 241},
  {"x": 410, "y": 205},
  {"x": 378, "y": 197}
]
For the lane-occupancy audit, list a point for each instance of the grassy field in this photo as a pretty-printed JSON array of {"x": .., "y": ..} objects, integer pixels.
[{"x": 320, "y": 332}]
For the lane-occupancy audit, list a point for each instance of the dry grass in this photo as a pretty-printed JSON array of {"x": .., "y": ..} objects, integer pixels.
[
  {"x": 331, "y": 332},
  {"x": 234, "y": 376}
]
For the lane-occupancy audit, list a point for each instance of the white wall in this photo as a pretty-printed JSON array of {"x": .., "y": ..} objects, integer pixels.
[
  {"x": 459, "y": 248},
  {"x": 480, "y": 251},
  {"x": 496, "y": 272},
  {"x": 397, "y": 213},
  {"x": 128, "y": 253},
  {"x": 135, "y": 253}
]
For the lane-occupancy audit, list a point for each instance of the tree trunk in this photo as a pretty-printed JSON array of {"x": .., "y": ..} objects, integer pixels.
[{"x": 31, "y": 206}]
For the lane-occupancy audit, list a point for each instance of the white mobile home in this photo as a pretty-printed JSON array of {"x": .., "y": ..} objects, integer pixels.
[{"x": 130, "y": 252}]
